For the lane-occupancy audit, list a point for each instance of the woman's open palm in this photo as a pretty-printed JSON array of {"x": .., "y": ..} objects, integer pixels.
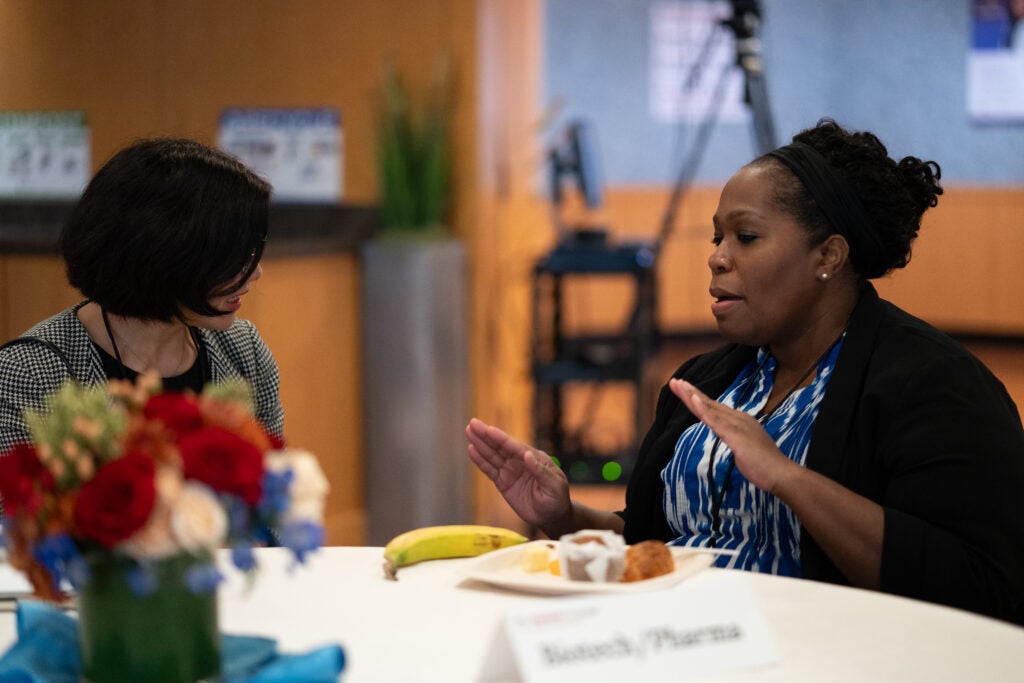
[{"x": 531, "y": 483}]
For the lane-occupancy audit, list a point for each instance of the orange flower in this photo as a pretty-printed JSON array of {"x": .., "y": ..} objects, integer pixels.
[
  {"x": 234, "y": 418},
  {"x": 153, "y": 438}
]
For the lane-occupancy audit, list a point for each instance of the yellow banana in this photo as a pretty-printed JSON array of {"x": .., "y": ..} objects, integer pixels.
[{"x": 442, "y": 542}]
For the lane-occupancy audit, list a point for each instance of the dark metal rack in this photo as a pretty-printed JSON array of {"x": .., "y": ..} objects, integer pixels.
[{"x": 561, "y": 359}]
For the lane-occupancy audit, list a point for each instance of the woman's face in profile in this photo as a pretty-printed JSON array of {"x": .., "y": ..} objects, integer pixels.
[
  {"x": 230, "y": 303},
  {"x": 763, "y": 277}
]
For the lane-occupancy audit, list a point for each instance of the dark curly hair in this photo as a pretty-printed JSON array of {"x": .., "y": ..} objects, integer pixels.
[
  {"x": 165, "y": 225},
  {"x": 895, "y": 194}
]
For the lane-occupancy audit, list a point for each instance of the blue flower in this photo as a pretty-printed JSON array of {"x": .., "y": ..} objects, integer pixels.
[
  {"x": 60, "y": 556},
  {"x": 275, "y": 492},
  {"x": 238, "y": 514},
  {"x": 301, "y": 536},
  {"x": 141, "y": 579},
  {"x": 243, "y": 557},
  {"x": 202, "y": 578}
]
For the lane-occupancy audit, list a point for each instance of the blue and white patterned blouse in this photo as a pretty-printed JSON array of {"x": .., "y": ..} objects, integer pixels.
[{"x": 762, "y": 530}]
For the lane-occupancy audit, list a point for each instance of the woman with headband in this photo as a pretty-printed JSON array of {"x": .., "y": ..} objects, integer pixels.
[{"x": 835, "y": 437}]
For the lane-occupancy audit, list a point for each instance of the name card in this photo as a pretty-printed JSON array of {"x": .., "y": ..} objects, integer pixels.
[{"x": 680, "y": 634}]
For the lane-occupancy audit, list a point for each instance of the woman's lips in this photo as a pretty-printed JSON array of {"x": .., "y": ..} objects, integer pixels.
[
  {"x": 724, "y": 302},
  {"x": 233, "y": 304}
]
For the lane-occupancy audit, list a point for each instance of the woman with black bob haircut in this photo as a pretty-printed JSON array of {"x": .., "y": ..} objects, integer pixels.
[
  {"x": 164, "y": 242},
  {"x": 834, "y": 437}
]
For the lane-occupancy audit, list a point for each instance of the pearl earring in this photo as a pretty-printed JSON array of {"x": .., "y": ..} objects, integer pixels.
[{"x": 824, "y": 276}]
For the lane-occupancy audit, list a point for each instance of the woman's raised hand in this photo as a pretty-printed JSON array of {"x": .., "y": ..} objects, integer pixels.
[
  {"x": 531, "y": 483},
  {"x": 757, "y": 456}
]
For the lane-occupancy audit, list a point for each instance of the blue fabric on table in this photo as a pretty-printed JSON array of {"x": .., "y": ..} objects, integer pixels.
[{"x": 47, "y": 652}]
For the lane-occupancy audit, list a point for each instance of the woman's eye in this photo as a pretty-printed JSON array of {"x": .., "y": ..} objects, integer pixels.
[
  {"x": 716, "y": 240},
  {"x": 745, "y": 238}
]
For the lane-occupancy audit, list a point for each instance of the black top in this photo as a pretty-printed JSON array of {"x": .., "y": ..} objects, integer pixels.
[
  {"x": 190, "y": 379},
  {"x": 912, "y": 421}
]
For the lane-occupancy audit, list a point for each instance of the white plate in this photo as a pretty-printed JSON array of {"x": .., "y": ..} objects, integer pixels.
[{"x": 502, "y": 568}]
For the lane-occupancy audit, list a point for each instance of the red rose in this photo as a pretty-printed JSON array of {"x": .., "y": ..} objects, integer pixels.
[
  {"x": 176, "y": 410},
  {"x": 223, "y": 461},
  {"x": 118, "y": 501},
  {"x": 20, "y": 470}
]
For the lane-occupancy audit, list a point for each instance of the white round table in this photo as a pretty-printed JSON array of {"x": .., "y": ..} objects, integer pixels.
[{"x": 433, "y": 625}]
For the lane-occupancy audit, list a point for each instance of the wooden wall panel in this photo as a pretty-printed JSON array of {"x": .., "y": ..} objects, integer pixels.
[
  {"x": 34, "y": 288},
  {"x": 966, "y": 272},
  {"x": 307, "y": 310},
  {"x": 100, "y": 56},
  {"x": 152, "y": 67}
]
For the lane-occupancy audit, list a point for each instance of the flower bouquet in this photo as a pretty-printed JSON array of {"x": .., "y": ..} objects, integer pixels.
[{"x": 123, "y": 496}]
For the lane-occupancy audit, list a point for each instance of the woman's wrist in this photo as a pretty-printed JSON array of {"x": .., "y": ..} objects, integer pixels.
[
  {"x": 566, "y": 524},
  {"x": 580, "y": 517}
]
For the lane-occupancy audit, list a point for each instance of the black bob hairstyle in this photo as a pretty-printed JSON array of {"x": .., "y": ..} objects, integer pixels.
[{"x": 166, "y": 225}]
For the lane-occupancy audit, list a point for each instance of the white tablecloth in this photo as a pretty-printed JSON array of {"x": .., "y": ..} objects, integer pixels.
[{"x": 431, "y": 625}]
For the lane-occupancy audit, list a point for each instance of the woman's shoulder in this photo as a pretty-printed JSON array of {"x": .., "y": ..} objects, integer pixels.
[
  {"x": 61, "y": 334},
  {"x": 905, "y": 334},
  {"x": 240, "y": 345},
  {"x": 912, "y": 352},
  {"x": 58, "y": 326},
  {"x": 242, "y": 333}
]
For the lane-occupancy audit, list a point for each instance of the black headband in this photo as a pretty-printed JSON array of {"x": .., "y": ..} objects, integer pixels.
[{"x": 842, "y": 207}]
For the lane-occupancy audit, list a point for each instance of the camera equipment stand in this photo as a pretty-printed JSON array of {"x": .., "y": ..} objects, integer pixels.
[
  {"x": 745, "y": 24},
  {"x": 561, "y": 358}
]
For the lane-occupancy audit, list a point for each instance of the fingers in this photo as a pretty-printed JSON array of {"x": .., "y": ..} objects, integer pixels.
[
  {"x": 719, "y": 417},
  {"x": 537, "y": 464},
  {"x": 493, "y": 446},
  {"x": 484, "y": 456},
  {"x": 481, "y": 433},
  {"x": 544, "y": 470},
  {"x": 477, "y": 434},
  {"x": 690, "y": 395},
  {"x": 482, "y": 463}
]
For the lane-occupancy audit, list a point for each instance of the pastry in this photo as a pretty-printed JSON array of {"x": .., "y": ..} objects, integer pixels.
[
  {"x": 592, "y": 555},
  {"x": 648, "y": 559}
]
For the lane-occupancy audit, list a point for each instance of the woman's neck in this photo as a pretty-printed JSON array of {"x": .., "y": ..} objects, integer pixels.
[
  {"x": 141, "y": 345},
  {"x": 804, "y": 350}
]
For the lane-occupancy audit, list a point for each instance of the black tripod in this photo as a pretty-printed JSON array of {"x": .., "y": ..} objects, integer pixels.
[{"x": 745, "y": 24}]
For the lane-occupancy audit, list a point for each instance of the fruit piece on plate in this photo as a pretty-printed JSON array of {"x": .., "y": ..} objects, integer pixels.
[{"x": 534, "y": 558}]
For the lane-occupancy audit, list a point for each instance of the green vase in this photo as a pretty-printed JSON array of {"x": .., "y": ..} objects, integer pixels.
[{"x": 168, "y": 636}]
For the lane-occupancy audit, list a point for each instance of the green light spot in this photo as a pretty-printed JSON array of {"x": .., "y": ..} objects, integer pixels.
[
  {"x": 557, "y": 462},
  {"x": 611, "y": 471}
]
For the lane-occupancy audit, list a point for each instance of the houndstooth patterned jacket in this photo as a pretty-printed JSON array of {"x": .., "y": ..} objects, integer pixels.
[{"x": 29, "y": 372}]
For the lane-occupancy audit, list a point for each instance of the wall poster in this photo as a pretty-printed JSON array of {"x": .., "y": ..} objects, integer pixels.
[
  {"x": 995, "y": 62},
  {"x": 298, "y": 151},
  {"x": 44, "y": 154},
  {"x": 691, "y": 50}
]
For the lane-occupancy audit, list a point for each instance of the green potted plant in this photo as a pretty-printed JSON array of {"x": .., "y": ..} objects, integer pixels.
[
  {"x": 414, "y": 324},
  {"x": 414, "y": 155}
]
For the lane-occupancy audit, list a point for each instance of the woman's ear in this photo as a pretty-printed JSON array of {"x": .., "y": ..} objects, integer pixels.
[{"x": 833, "y": 254}]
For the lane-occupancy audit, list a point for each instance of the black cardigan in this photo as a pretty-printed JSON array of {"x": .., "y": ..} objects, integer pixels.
[{"x": 910, "y": 420}]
